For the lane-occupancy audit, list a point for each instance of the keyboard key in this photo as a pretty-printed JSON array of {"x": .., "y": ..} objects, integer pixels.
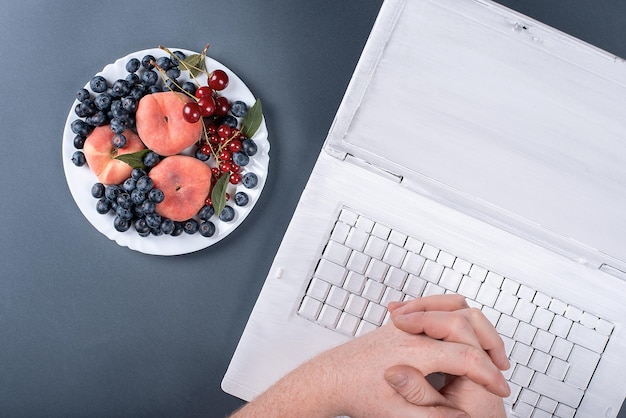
[
  {"x": 364, "y": 327},
  {"x": 543, "y": 341},
  {"x": 469, "y": 287},
  {"x": 310, "y": 308},
  {"x": 564, "y": 411},
  {"x": 364, "y": 224},
  {"x": 391, "y": 295},
  {"x": 558, "y": 307},
  {"x": 478, "y": 272},
  {"x": 539, "y": 361},
  {"x": 557, "y": 369},
  {"x": 431, "y": 271},
  {"x": 337, "y": 297},
  {"x": 413, "y": 263},
  {"x": 318, "y": 289},
  {"x": 375, "y": 313},
  {"x": 507, "y": 325},
  {"x": 357, "y": 239},
  {"x": 329, "y": 315},
  {"x": 450, "y": 279},
  {"x": 526, "y": 293},
  {"x": 573, "y": 313},
  {"x": 561, "y": 348},
  {"x": 337, "y": 253},
  {"x": 604, "y": 327},
  {"x": 394, "y": 255},
  {"x": 491, "y": 314},
  {"x": 506, "y": 302},
  {"x": 413, "y": 245},
  {"x": 348, "y": 216},
  {"x": 523, "y": 410},
  {"x": 375, "y": 247},
  {"x": 348, "y": 323},
  {"x": 445, "y": 259},
  {"x": 587, "y": 337},
  {"x": 462, "y": 266},
  {"x": 494, "y": 279},
  {"x": 525, "y": 333},
  {"x": 521, "y": 353},
  {"x": 529, "y": 397},
  {"x": 524, "y": 310},
  {"x": 522, "y": 375},
  {"x": 395, "y": 278},
  {"x": 582, "y": 364},
  {"x": 542, "y": 300},
  {"x": 376, "y": 270},
  {"x": 557, "y": 390},
  {"x": 356, "y": 305},
  {"x": 487, "y": 295},
  {"x": 358, "y": 262},
  {"x": 381, "y": 231},
  {"x": 433, "y": 289},
  {"x": 510, "y": 286},
  {"x": 373, "y": 290},
  {"x": 397, "y": 238},
  {"x": 547, "y": 404},
  {"x": 542, "y": 318},
  {"x": 560, "y": 326},
  {"x": 414, "y": 286},
  {"x": 331, "y": 272},
  {"x": 354, "y": 283},
  {"x": 429, "y": 251}
]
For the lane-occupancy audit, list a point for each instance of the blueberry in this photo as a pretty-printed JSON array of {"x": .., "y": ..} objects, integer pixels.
[
  {"x": 103, "y": 101},
  {"x": 78, "y": 158},
  {"x": 154, "y": 89},
  {"x": 79, "y": 142},
  {"x": 137, "y": 92},
  {"x": 82, "y": 95},
  {"x": 117, "y": 125},
  {"x": 170, "y": 85},
  {"x": 230, "y": 121},
  {"x": 149, "y": 78},
  {"x": 144, "y": 184},
  {"x": 129, "y": 184},
  {"x": 112, "y": 191},
  {"x": 173, "y": 73},
  {"x": 97, "y": 119},
  {"x": 120, "y": 88},
  {"x": 137, "y": 173},
  {"x": 178, "y": 56},
  {"x": 124, "y": 213},
  {"x": 133, "y": 65},
  {"x": 103, "y": 206},
  {"x": 137, "y": 196},
  {"x": 132, "y": 80},
  {"x": 124, "y": 200},
  {"x": 129, "y": 104},
  {"x": 249, "y": 180},
  {"x": 118, "y": 140},
  {"x": 164, "y": 62},
  {"x": 153, "y": 220},
  {"x": 97, "y": 190},
  {"x": 148, "y": 207},
  {"x": 146, "y": 62},
  {"x": 80, "y": 127},
  {"x": 167, "y": 226},
  {"x": 86, "y": 108},
  {"x": 239, "y": 108},
  {"x": 207, "y": 228},
  {"x": 120, "y": 224},
  {"x": 142, "y": 227},
  {"x": 241, "y": 159},
  {"x": 178, "y": 229},
  {"x": 156, "y": 195},
  {"x": 241, "y": 199},
  {"x": 206, "y": 212},
  {"x": 190, "y": 226},
  {"x": 227, "y": 214},
  {"x": 200, "y": 155},
  {"x": 151, "y": 159},
  {"x": 249, "y": 147},
  {"x": 190, "y": 87},
  {"x": 98, "y": 84}
]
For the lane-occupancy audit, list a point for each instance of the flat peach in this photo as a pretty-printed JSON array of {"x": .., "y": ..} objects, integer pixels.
[
  {"x": 160, "y": 123},
  {"x": 186, "y": 182},
  {"x": 100, "y": 154}
]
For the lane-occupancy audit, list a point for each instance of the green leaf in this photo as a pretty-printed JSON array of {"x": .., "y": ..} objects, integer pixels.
[
  {"x": 195, "y": 63},
  {"x": 134, "y": 159},
  {"x": 253, "y": 119},
  {"x": 218, "y": 194}
]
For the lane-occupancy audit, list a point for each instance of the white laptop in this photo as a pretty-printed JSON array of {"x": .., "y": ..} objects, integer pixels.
[{"x": 479, "y": 152}]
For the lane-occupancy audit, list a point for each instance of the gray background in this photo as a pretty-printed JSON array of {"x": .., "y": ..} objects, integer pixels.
[{"x": 90, "y": 329}]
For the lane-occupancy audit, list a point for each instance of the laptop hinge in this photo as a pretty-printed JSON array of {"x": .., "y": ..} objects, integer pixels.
[
  {"x": 620, "y": 274},
  {"x": 369, "y": 166}
]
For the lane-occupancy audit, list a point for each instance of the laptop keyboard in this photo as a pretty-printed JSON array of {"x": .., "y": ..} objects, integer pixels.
[{"x": 553, "y": 347}]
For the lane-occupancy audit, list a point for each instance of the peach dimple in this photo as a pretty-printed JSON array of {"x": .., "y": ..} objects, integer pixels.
[
  {"x": 186, "y": 182},
  {"x": 161, "y": 125},
  {"x": 100, "y": 154}
]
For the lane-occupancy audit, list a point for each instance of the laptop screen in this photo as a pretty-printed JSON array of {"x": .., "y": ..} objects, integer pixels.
[{"x": 512, "y": 116}]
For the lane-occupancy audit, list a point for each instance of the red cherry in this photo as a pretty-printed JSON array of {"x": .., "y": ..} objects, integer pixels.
[
  {"x": 218, "y": 80},
  {"x": 224, "y": 167},
  {"x": 207, "y": 105},
  {"x": 222, "y": 106},
  {"x": 234, "y": 168},
  {"x": 204, "y": 91},
  {"x": 211, "y": 129},
  {"x": 208, "y": 201},
  {"x": 206, "y": 149},
  {"x": 224, "y": 131},
  {"x": 225, "y": 156},
  {"x": 191, "y": 112},
  {"x": 234, "y": 146},
  {"x": 215, "y": 171},
  {"x": 235, "y": 178}
]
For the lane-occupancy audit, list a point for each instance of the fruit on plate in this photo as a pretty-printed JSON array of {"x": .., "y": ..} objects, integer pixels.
[
  {"x": 100, "y": 154},
  {"x": 185, "y": 182},
  {"x": 161, "y": 125}
]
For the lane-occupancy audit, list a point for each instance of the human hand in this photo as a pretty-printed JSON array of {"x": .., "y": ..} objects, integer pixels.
[{"x": 462, "y": 324}]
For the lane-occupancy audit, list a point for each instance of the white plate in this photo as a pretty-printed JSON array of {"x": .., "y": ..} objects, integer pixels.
[{"x": 81, "y": 179}]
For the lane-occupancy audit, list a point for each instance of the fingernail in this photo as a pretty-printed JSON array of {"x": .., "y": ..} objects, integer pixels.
[
  {"x": 397, "y": 380},
  {"x": 506, "y": 389}
]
